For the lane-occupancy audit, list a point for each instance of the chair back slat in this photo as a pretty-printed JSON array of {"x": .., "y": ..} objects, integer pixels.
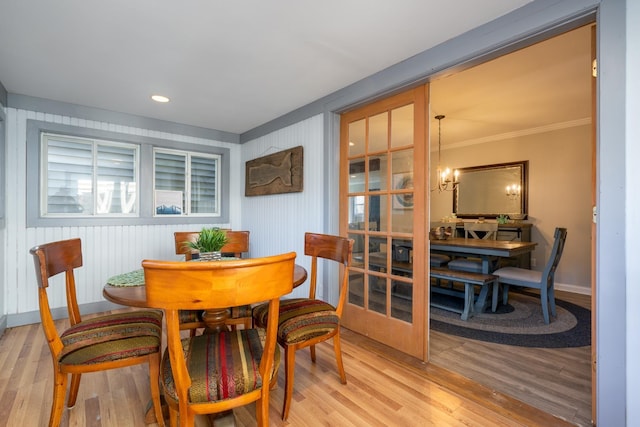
[
  {"x": 490, "y": 230},
  {"x": 237, "y": 245},
  {"x": 217, "y": 284},
  {"x": 560, "y": 238}
]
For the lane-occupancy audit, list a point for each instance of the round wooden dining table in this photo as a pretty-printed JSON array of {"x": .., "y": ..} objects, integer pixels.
[{"x": 135, "y": 296}]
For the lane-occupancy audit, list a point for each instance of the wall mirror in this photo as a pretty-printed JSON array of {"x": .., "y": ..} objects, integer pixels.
[{"x": 492, "y": 190}]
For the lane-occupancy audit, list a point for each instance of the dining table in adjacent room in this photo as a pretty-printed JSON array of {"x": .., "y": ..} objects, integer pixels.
[{"x": 481, "y": 248}]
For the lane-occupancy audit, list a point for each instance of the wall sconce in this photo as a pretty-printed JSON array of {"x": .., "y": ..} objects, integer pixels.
[{"x": 513, "y": 191}]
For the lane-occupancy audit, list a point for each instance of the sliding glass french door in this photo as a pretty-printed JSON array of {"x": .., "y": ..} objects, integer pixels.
[{"x": 384, "y": 209}]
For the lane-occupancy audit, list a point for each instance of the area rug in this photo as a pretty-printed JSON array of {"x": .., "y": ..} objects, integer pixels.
[{"x": 518, "y": 323}]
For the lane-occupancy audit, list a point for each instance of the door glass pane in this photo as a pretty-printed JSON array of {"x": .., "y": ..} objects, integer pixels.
[
  {"x": 378, "y": 254},
  {"x": 402, "y": 163},
  {"x": 402, "y": 220},
  {"x": 402, "y": 126},
  {"x": 356, "y": 175},
  {"x": 378, "y": 132},
  {"x": 378, "y": 294},
  {"x": 357, "y": 138},
  {"x": 356, "y": 212},
  {"x": 378, "y": 213},
  {"x": 401, "y": 300},
  {"x": 402, "y": 257},
  {"x": 378, "y": 173},
  {"x": 358, "y": 250},
  {"x": 382, "y": 219},
  {"x": 356, "y": 288}
]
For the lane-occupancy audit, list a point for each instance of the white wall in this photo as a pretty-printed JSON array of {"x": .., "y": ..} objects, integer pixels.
[
  {"x": 108, "y": 250},
  {"x": 559, "y": 193},
  {"x": 278, "y": 222}
]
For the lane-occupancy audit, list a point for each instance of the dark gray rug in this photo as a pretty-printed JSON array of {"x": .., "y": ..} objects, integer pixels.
[{"x": 519, "y": 323}]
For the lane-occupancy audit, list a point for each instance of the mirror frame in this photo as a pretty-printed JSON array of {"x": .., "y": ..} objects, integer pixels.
[{"x": 524, "y": 196}]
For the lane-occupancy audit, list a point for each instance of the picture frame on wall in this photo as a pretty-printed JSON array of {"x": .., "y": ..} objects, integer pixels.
[{"x": 402, "y": 181}]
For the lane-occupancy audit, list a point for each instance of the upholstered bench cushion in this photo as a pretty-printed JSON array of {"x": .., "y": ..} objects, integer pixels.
[
  {"x": 438, "y": 260},
  {"x": 466, "y": 264},
  {"x": 216, "y": 375},
  {"x": 300, "y": 319},
  {"x": 112, "y": 337}
]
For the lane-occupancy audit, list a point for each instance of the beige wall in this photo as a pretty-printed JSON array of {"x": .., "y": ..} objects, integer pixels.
[{"x": 559, "y": 193}]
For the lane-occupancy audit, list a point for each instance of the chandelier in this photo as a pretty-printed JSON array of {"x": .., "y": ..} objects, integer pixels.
[{"x": 447, "y": 180}]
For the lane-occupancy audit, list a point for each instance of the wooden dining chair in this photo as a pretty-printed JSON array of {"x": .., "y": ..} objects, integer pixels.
[
  {"x": 237, "y": 245},
  {"x": 305, "y": 322},
  {"x": 92, "y": 344},
  {"x": 542, "y": 280},
  {"x": 474, "y": 230},
  {"x": 216, "y": 372}
]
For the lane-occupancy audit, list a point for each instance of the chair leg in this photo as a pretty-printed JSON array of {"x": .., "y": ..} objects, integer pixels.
[
  {"x": 289, "y": 367},
  {"x": 552, "y": 300},
  {"x": 545, "y": 305},
  {"x": 505, "y": 293},
  {"x": 338, "y": 351},
  {"x": 262, "y": 410},
  {"x": 73, "y": 390},
  {"x": 154, "y": 375},
  {"x": 494, "y": 296},
  {"x": 312, "y": 350},
  {"x": 59, "y": 391}
]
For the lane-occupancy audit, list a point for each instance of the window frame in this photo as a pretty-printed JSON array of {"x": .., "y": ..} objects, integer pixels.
[
  {"x": 95, "y": 144},
  {"x": 188, "y": 171},
  {"x": 146, "y": 214}
]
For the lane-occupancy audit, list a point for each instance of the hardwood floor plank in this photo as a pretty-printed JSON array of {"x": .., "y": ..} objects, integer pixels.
[{"x": 384, "y": 388}]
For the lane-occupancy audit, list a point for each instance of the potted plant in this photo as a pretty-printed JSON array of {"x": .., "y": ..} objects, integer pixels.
[{"x": 209, "y": 243}]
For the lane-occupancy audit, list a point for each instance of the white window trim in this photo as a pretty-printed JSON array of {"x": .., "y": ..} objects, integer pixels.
[
  {"x": 187, "y": 201},
  {"x": 95, "y": 143}
]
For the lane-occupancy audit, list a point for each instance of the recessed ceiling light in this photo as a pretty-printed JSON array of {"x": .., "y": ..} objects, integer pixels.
[{"x": 160, "y": 98}]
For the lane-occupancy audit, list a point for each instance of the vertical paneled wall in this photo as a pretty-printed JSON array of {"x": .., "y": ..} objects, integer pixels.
[
  {"x": 278, "y": 222},
  {"x": 108, "y": 250}
]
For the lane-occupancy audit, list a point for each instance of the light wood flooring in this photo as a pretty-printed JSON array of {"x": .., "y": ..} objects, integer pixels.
[
  {"x": 385, "y": 388},
  {"x": 557, "y": 381}
]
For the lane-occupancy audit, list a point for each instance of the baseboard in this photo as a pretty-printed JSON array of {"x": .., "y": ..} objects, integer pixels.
[
  {"x": 583, "y": 290},
  {"x": 21, "y": 319}
]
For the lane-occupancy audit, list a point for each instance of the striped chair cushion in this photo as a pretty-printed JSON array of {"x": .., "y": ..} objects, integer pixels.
[
  {"x": 112, "y": 337},
  {"x": 240, "y": 312},
  {"x": 190, "y": 316},
  {"x": 221, "y": 366},
  {"x": 300, "y": 319}
]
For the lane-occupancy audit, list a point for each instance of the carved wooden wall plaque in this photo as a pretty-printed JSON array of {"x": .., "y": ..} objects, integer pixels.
[{"x": 276, "y": 173}]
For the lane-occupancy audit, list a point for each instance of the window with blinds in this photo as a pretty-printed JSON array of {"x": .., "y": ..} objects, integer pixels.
[
  {"x": 186, "y": 183},
  {"x": 87, "y": 177}
]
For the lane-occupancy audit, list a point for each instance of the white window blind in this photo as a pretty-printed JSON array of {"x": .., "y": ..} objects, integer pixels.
[
  {"x": 85, "y": 177},
  {"x": 191, "y": 178}
]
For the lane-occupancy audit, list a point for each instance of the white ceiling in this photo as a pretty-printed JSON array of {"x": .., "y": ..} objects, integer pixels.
[{"x": 234, "y": 65}]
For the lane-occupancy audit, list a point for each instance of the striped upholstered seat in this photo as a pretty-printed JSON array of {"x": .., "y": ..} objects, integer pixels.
[
  {"x": 218, "y": 371},
  {"x": 300, "y": 319},
  {"x": 230, "y": 360},
  {"x": 112, "y": 337},
  {"x": 305, "y": 322},
  {"x": 92, "y": 344}
]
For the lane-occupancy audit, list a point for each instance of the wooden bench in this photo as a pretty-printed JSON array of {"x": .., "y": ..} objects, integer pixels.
[{"x": 470, "y": 280}]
